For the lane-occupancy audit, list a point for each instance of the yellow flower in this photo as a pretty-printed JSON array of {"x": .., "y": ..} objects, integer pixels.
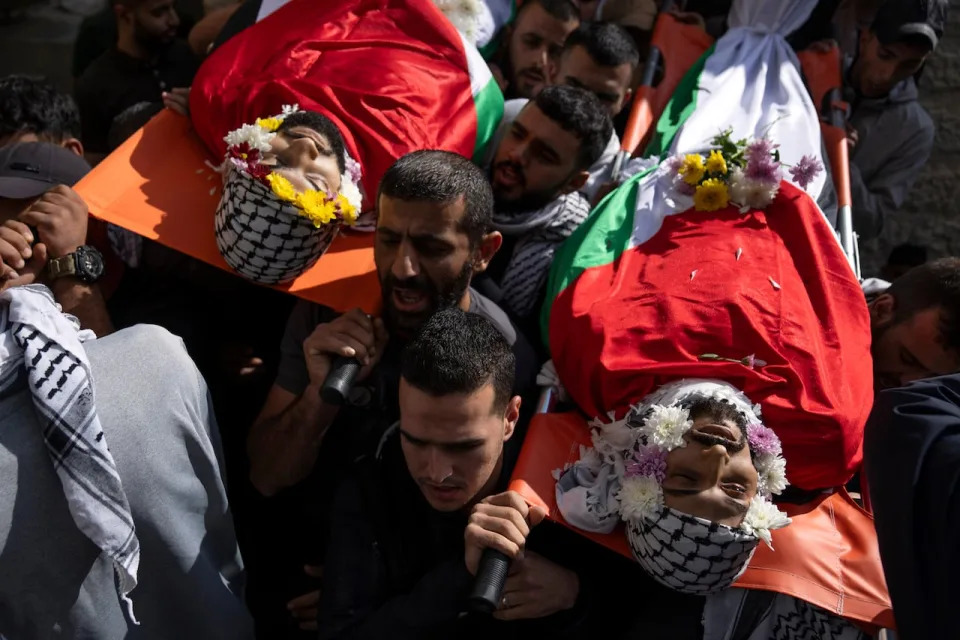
[
  {"x": 270, "y": 124},
  {"x": 317, "y": 207},
  {"x": 716, "y": 164},
  {"x": 347, "y": 210},
  {"x": 711, "y": 195},
  {"x": 281, "y": 187},
  {"x": 692, "y": 168}
]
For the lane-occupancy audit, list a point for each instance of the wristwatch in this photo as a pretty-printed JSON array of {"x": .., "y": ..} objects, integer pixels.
[{"x": 85, "y": 263}]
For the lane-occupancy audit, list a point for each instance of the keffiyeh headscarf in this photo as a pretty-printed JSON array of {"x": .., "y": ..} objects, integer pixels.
[
  {"x": 40, "y": 349},
  {"x": 620, "y": 479}
]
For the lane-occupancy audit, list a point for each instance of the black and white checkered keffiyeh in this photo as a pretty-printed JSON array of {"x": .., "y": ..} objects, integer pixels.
[{"x": 41, "y": 350}]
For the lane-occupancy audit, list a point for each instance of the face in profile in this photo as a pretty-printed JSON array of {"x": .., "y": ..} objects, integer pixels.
[
  {"x": 424, "y": 260},
  {"x": 453, "y": 444},
  {"x": 535, "y": 44},
  {"x": 880, "y": 67},
  {"x": 535, "y": 162},
  {"x": 305, "y": 158},
  {"x": 907, "y": 349},
  {"x": 713, "y": 476},
  {"x": 611, "y": 85}
]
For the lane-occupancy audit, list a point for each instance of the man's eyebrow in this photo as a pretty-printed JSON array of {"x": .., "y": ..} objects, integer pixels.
[{"x": 471, "y": 442}]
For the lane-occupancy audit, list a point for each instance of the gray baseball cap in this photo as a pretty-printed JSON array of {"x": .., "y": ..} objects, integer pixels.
[{"x": 30, "y": 169}]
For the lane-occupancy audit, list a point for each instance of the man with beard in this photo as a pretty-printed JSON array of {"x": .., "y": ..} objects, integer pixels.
[
  {"x": 532, "y": 46},
  {"x": 916, "y": 325},
  {"x": 433, "y": 233},
  {"x": 538, "y": 170},
  {"x": 148, "y": 64}
]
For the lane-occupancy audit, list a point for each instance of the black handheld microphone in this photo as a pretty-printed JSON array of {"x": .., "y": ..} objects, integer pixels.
[
  {"x": 491, "y": 574},
  {"x": 339, "y": 381}
]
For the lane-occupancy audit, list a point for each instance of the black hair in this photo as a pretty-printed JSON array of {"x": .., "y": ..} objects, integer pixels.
[
  {"x": 565, "y": 10},
  {"x": 607, "y": 43},
  {"x": 931, "y": 285},
  {"x": 130, "y": 120},
  {"x": 443, "y": 177},
  {"x": 31, "y": 104},
  {"x": 719, "y": 410},
  {"x": 460, "y": 353},
  {"x": 322, "y": 125},
  {"x": 908, "y": 255},
  {"x": 581, "y": 113}
]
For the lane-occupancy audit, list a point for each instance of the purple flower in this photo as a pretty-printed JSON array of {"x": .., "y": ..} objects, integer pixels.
[
  {"x": 680, "y": 186},
  {"x": 805, "y": 171},
  {"x": 649, "y": 462},
  {"x": 760, "y": 150},
  {"x": 353, "y": 170},
  {"x": 763, "y": 441},
  {"x": 674, "y": 163},
  {"x": 765, "y": 171}
]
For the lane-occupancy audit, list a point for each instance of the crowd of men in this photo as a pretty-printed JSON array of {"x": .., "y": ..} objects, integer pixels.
[{"x": 368, "y": 520}]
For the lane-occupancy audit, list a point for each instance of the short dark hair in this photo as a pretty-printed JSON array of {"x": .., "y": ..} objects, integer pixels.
[
  {"x": 719, "y": 410},
  {"x": 581, "y": 113},
  {"x": 460, "y": 353},
  {"x": 908, "y": 255},
  {"x": 443, "y": 177},
  {"x": 322, "y": 125},
  {"x": 935, "y": 284},
  {"x": 31, "y": 104},
  {"x": 131, "y": 120},
  {"x": 560, "y": 9},
  {"x": 607, "y": 43}
]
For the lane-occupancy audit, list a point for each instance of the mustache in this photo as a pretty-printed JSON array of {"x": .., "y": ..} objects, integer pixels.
[
  {"x": 533, "y": 72},
  {"x": 516, "y": 168},
  {"x": 416, "y": 283},
  {"x": 710, "y": 440}
]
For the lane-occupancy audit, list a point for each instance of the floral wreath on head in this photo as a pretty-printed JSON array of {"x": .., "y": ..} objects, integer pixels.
[
  {"x": 245, "y": 149},
  {"x": 638, "y": 445}
]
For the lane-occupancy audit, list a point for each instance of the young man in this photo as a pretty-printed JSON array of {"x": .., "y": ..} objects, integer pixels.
[
  {"x": 539, "y": 167},
  {"x": 111, "y": 485},
  {"x": 916, "y": 325},
  {"x": 410, "y": 523},
  {"x": 147, "y": 63},
  {"x": 532, "y": 45},
  {"x": 891, "y": 135},
  {"x": 32, "y": 110}
]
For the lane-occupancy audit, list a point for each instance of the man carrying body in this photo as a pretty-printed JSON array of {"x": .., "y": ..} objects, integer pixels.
[
  {"x": 537, "y": 171},
  {"x": 891, "y": 135}
]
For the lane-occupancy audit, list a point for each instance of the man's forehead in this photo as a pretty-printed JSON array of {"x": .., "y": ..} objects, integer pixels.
[
  {"x": 421, "y": 217},
  {"x": 535, "y": 19},
  {"x": 446, "y": 418},
  {"x": 540, "y": 126},
  {"x": 924, "y": 339}
]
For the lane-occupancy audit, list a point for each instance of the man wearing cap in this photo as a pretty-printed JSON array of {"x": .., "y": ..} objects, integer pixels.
[
  {"x": 43, "y": 228},
  {"x": 890, "y": 133}
]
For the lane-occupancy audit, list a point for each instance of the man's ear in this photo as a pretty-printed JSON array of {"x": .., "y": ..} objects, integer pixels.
[
  {"x": 489, "y": 245},
  {"x": 576, "y": 182},
  {"x": 882, "y": 309},
  {"x": 74, "y": 145},
  {"x": 510, "y": 417}
]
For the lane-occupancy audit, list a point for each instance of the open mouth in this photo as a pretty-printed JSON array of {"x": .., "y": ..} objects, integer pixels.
[
  {"x": 505, "y": 175},
  {"x": 409, "y": 300}
]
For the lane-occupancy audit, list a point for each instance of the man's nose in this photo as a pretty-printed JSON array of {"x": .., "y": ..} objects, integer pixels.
[
  {"x": 405, "y": 264},
  {"x": 716, "y": 458},
  {"x": 438, "y": 467}
]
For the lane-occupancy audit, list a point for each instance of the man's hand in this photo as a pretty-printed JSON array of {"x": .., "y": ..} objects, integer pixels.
[
  {"x": 15, "y": 250},
  {"x": 536, "y": 588},
  {"x": 500, "y": 522},
  {"x": 60, "y": 217},
  {"x": 852, "y": 136},
  {"x": 304, "y": 608},
  {"x": 352, "y": 335},
  {"x": 28, "y": 274},
  {"x": 177, "y": 100},
  {"x": 691, "y": 18}
]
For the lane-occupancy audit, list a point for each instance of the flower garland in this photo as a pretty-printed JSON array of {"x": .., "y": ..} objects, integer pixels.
[
  {"x": 245, "y": 149},
  {"x": 640, "y": 455},
  {"x": 746, "y": 173}
]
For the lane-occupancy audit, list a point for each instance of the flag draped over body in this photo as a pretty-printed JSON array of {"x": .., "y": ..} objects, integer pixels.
[{"x": 649, "y": 290}]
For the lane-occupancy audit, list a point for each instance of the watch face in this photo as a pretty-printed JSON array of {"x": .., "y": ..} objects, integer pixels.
[{"x": 89, "y": 263}]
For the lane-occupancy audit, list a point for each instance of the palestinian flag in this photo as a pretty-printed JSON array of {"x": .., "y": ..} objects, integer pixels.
[
  {"x": 394, "y": 75},
  {"x": 650, "y": 290}
]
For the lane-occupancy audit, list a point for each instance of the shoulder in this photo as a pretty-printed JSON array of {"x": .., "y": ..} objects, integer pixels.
[{"x": 487, "y": 308}]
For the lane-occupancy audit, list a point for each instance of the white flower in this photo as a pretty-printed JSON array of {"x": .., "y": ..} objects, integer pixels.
[
  {"x": 254, "y": 135},
  {"x": 773, "y": 474},
  {"x": 463, "y": 14},
  {"x": 762, "y": 517},
  {"x": 665, "y": 426},
  {"x": 639, "y": 497},
  {"x": 350, "y": 191},
  {"x": 750, "y": 194},
  {"x": 289, "y": 109},
  {"x": 590, "y": 458}
]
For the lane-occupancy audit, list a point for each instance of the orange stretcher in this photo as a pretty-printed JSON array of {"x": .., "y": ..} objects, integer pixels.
[{"x": 131, "y": 188}]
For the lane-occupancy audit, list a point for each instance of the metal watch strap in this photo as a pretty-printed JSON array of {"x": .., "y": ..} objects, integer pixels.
[{"x": 63, "y": 266}]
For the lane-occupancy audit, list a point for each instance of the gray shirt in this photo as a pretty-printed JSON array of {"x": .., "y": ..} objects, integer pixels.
[{"x": 158, "y": 421}]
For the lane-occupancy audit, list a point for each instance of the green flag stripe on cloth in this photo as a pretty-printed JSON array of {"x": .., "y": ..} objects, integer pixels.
[
  {"x": 682, "y": 104},
  {"x": 487, "y": 98},
  {"x": 599, "y": 240}
]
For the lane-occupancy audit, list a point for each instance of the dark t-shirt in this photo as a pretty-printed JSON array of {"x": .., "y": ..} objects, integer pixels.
[{"x": 115, "y": 81}]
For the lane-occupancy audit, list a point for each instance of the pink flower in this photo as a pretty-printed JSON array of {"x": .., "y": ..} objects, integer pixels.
[
  {"x": 649, "y": 462},
  {"x": 805, "y": 171},
  {"x": 765, "y": 171},
  {"x": 763, "y": 441},
  {"x": 674, "y": 163},
  {"x": 760, "y": 150}
]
